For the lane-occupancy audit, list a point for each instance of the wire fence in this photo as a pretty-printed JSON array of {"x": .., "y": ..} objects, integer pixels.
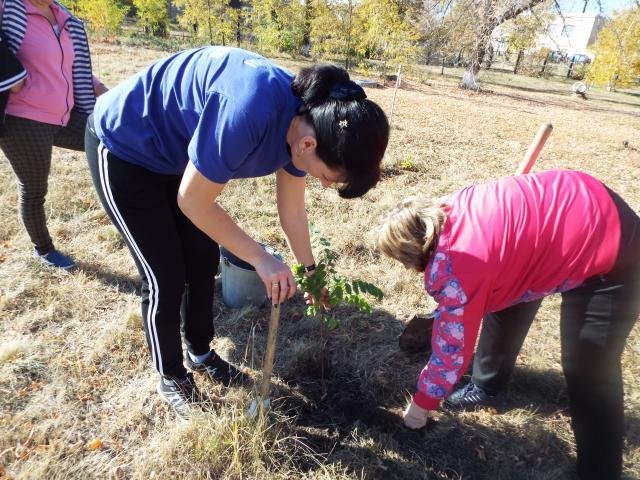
[{"x": 536, "y": 64}]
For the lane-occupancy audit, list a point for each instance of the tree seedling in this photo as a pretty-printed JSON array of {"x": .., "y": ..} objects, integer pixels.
[
  {"x": 339, "y": 289},
  {"x": 325, "y": 283}
]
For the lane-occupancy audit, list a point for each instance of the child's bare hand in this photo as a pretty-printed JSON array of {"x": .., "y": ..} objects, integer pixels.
[
  {"x": 17, "y": 87},
  {"x": 415, "y": 417},
  {"x": 324, "y": 299}
]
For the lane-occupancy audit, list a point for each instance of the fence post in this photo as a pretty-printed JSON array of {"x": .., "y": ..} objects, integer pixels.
[
  {"x": 395, "y": 92},
  {"x": 518, "y": 60},
  {"x": 570, "y": 71},
  {"x": 544, "y": 64}
]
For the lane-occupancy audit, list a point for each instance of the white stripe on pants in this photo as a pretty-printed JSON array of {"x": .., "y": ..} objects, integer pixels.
[{"x": 154, "y": 290}]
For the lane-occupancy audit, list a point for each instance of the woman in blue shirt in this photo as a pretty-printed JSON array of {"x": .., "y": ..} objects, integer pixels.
[{"x": 162, "y": 145}]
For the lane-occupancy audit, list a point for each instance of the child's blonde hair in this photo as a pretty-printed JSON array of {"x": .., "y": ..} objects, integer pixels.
[{"x": 410, "y": 230}]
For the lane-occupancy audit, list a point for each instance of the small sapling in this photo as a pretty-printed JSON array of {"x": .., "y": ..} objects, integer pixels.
[{"x": 339, "y": 289}]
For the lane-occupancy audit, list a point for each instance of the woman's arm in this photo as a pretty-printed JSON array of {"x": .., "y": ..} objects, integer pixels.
[
  {"x": 455, "y": 329},
  {"x": 196, "y": 199},
  {"x": 293, "y": 215}
]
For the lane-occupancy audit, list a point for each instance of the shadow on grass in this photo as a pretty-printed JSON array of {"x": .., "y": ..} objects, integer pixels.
[
  {"x": 565, "y": 97},
  {"x": 346, "y": 422},
  {"x": 125, "y": 284},
  {"x": 344, "y": 391},
  {"x": 568, "y": 96},
  {"x": 544, "y": 390},
  {"x": 347, "y": 405}
]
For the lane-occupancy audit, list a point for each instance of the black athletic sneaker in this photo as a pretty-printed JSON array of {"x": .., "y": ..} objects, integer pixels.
[
  {"x": 218, "y": 369},
  {"x": 469, "y": 397},
  {"x": 181, "y": 393}
]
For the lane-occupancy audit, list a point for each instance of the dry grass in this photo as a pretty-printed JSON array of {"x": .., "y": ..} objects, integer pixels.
[{"x": 77, "y": 388}]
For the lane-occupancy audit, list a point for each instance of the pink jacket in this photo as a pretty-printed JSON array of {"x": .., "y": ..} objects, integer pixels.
[
  {"x": 515, "y": 240},
  {"x": 47, "y": 94}
]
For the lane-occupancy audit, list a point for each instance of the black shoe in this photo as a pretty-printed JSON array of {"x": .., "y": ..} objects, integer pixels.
[
  {"x": 469, "y": 397},
  {"x": 218, "y": 369},
  {"x": 181, "y": 393}
]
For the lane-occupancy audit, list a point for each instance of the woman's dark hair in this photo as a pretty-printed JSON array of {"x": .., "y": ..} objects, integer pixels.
[{"x": 352, "y": 131}]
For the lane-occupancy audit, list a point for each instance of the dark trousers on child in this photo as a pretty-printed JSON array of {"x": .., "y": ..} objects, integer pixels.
[
  {"x": 596, "y": 319},
  {"x": 176, "y": 260},
  {"x": 27, "y": 145}
]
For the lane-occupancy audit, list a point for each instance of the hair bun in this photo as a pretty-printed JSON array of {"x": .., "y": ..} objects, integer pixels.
[{"x": 347, "y": 91}]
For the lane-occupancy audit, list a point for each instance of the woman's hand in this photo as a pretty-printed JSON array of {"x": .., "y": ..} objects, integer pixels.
[
  {"x": 275, "y": 274},
  {"x": 99, "y": 89},
  {"x": 323, "y": 302},
  {"x": 415, "y": 417},
  {"x": 196, "y": 199}
]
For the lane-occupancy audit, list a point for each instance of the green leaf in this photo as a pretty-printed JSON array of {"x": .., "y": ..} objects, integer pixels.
[{"x": 340, "y": 289}]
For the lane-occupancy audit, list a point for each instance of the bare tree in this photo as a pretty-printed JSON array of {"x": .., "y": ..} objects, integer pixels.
[{"x": 488, "y": 15}]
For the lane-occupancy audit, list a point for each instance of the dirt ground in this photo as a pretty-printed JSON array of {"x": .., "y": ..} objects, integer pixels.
[{"x": 77, "y": 390}]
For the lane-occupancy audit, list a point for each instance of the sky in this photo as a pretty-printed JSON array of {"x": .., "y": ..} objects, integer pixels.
[{"x": 608, "y": 6}]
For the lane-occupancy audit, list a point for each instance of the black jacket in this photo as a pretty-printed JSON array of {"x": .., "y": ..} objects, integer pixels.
[{"x": 11, "y": 72}]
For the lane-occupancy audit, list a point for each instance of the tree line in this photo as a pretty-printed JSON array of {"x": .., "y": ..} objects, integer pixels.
[{"x": 386, "y": 32}]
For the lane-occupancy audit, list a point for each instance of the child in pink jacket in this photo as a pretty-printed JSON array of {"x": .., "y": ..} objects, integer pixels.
[{"x": 488, "y": 247}]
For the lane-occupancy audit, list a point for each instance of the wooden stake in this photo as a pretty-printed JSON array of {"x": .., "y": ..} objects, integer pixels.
[
  {"x": 267, "y": 363},
  {"x": 534, "y": 149}
]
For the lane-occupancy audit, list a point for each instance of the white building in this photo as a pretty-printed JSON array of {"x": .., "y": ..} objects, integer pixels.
[
  {"x": 569, "y": 34},
  {"x": 572, "y": 33}
]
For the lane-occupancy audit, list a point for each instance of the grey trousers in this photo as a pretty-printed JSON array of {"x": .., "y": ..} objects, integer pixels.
[{"x": 27, "y": 144}]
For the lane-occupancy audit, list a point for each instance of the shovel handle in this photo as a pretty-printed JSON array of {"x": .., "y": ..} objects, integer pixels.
[
  {"x": 267, "y": 363},
  {"x": 534, "y": 149}
]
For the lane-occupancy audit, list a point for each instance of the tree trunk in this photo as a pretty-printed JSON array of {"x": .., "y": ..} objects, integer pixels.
[
  {"x": 488, "y": 18},
  {"x": 209, "y": 22},
  {"x": 489, "y": 60},
  {"x": 347, "y": 61},
  {"x": 238, "y": 31},
  {"x": 470, "y": 77},
  {"x": 518, "y": 60}
]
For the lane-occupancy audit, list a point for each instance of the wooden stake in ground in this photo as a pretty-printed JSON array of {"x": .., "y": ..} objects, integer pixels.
[
  {"x": 262, "y": 404},
  {"x": 267, "y": 363},
  {"x": 534, "y": 149}
]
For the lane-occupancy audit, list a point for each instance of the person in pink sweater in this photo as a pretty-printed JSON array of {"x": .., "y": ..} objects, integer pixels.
[
  {"x": 47, "y": 108},
  {"x": 489, "y": 247}
]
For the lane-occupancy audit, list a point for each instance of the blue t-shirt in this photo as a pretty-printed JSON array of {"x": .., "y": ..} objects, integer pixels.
[{"x": 224, "y": 109}]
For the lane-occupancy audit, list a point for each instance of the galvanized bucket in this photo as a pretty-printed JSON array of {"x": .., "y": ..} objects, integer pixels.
[{"x": 241, "y": 285}]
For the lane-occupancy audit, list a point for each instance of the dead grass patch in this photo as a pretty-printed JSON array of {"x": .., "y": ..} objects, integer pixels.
[{"x": 77, "y": 391}]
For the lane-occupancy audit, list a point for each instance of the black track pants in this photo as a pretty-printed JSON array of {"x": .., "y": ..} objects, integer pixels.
[{"x": 176, "y": 260}]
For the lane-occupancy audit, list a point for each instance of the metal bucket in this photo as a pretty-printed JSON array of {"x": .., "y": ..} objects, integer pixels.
[{"x": 241, "y": 285}]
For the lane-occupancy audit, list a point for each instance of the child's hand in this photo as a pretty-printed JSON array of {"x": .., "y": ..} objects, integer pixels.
[
  {"x": 415, "y": 417},
  {"x": 324, "y": 299},
  {"x": 17, "y": 87}
]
